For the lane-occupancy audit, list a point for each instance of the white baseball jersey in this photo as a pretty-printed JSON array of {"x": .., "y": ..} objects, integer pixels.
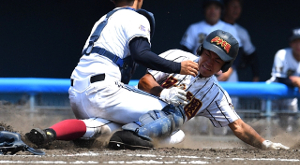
[
  {"x": 110, "y": 99},
  {"x": 197, "y": 32},
  {"x": 245, "y": 39},
  {"x": 122, "y": 27},
  {"x": 206, "y": 97},
  {"x": 285, "y": 64},
  {"x": 247, "y": 47}
]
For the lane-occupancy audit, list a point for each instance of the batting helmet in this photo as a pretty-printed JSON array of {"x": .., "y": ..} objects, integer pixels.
[
  {"x": 207, "y": 2},
  {"x": 223, "y": 44}
]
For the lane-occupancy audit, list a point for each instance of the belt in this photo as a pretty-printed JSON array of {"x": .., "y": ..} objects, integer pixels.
[{"x": 95, "y": 78}]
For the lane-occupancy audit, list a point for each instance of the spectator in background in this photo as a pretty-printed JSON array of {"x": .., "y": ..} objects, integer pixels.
[
  {"x": 286, "y": 70},
  {"x": 197, "y": 32},
  {"x": 248, "y": 57}
]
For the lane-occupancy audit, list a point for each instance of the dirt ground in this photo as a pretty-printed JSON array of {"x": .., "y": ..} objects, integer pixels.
[{"x": 197, "y": 148}]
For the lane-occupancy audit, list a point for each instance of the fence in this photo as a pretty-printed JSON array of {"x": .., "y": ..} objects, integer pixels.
[{"x": 49, "y": 92}]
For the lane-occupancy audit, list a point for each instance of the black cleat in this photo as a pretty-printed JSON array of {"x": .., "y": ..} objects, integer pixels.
[
  {"x": 39, "y": 136},
  {"x": 128, "y": 140}
]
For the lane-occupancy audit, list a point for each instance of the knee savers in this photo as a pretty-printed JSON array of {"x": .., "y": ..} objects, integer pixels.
[{"x": 157, "y": 123}]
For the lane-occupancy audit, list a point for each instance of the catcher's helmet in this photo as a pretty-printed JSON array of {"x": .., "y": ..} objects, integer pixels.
[
  {"x": 223, "y": 44},
  {"x": 12, "y": 142},
  {"x": 207, "y": 2}
]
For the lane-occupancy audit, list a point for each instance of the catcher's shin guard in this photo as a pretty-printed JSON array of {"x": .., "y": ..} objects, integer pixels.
[{"x": 156, "y": 124}]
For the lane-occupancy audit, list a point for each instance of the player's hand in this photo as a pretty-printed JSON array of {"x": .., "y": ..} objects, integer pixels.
[
  {"x": 174, "y": 96},
  {"x": 268, "y": 145},
  {"x": 189, "y": 68},
  {"x": 295, "y": 80}
]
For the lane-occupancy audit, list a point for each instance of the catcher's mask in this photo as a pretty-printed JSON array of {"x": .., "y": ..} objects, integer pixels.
[{"x": 11, "y": 142}]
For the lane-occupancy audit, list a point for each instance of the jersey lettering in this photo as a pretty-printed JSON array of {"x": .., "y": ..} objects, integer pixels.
[
  {"x": 224, "y": 44},
  {"x": 193, "y": 106},
  {"x": 170, "y": 81}
]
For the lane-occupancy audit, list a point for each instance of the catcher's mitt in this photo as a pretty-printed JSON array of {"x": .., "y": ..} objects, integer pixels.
[{"x": 11, "y": 142}]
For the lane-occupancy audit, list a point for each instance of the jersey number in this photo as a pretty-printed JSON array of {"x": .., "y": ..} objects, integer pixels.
[{"x": 193, "y": 106}]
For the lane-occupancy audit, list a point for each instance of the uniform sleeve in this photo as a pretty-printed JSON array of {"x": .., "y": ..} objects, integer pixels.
[
  {"x": 221, "y": 111},
  {"x": 278, "y": 65},
  {"x": 141, "y": 53},
  {"x": 188, "y": 40},
  {"x": 137, "y": 26},
  {"x": 158, "y": 75}
]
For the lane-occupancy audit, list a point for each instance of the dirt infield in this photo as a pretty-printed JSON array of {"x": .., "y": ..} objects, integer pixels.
[{"x": 196, "y": 149}]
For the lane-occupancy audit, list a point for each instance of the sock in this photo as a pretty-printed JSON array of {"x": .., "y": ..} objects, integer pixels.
[{"x": 69, "y": 129}]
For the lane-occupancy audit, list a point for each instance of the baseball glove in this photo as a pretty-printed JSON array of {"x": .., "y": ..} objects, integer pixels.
[{"x": 11, "y": 143}]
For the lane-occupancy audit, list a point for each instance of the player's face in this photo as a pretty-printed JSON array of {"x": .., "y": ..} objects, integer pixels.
[
  {"x": 210, "y": 63},
  {"x": 295, "y": 45},
  {"x": 212, "y": 13},
  {"x": 233, "y": 9}
]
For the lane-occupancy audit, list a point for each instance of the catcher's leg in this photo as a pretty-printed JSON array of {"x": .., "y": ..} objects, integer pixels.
[
  {"x": 96, "y": 127},
  {"x": 154, "y": 124},
  {"x": 72, "y": 129},
  {"x": 64, "y": 130}
]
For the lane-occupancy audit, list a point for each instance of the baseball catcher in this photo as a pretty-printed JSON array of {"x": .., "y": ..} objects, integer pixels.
[{"x": 99, "y": 96}]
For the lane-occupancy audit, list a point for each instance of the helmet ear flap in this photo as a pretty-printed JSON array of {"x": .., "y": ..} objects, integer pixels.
[
  {"x": 226, "y": 66},
  {"x": 199, "y": 50}
]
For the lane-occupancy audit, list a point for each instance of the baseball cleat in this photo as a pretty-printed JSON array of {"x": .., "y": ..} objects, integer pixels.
[
  {"x": 128, "y": 140},
  {"x": 39, "y": 136}
]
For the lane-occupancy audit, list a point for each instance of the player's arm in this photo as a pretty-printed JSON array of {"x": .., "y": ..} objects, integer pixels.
[
  {"x": 295, "y": 81},
  {"x": 148, "y": 84},
  {"x": 291, "y": 81},
  {"x": 141, "y": 53},
  {"x": 226, "y": 75},
  {"x": 172, "y": 95},
  {"x": 248, "y": 135}
]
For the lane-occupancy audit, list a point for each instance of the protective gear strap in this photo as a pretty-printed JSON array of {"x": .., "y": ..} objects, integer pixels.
[
  {"x": 150, "y": 18},
  {"x": 126, "y": 65},
  {"x": 95, "y": 36}
]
